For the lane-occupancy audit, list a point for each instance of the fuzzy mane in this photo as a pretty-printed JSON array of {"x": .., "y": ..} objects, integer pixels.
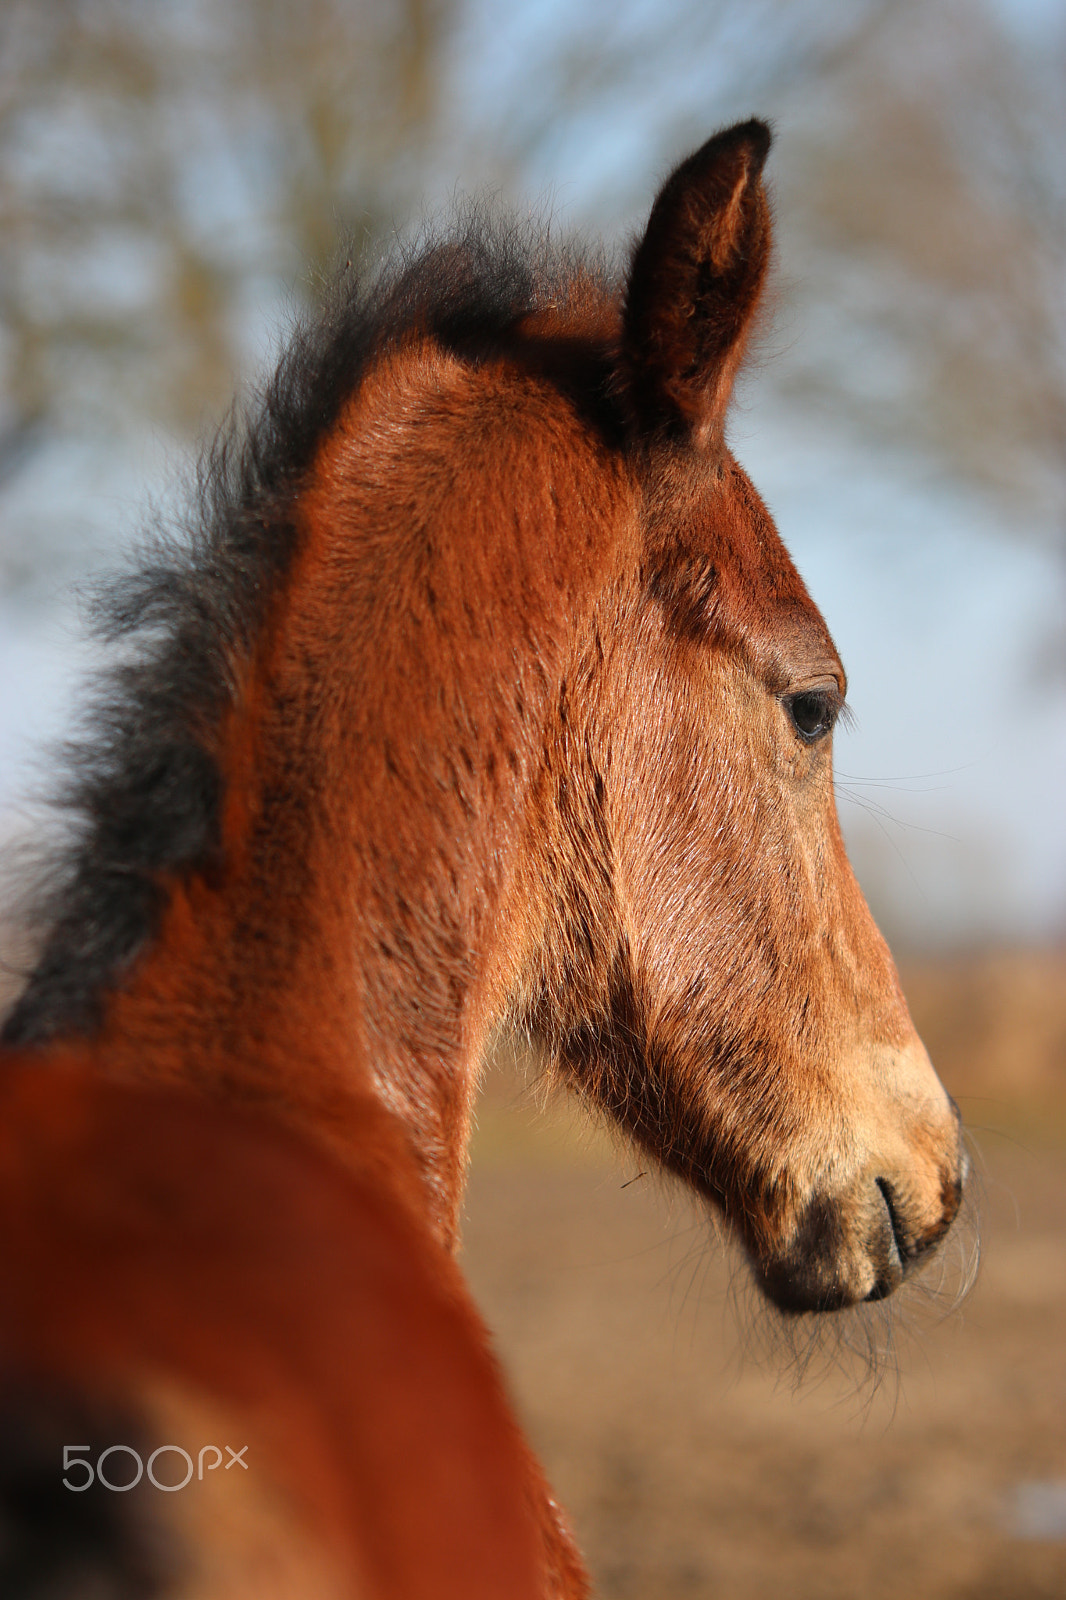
[{"x": 141, "y": 787}]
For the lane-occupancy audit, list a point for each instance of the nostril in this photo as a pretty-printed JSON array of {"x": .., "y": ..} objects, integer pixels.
[
  {"x": 889, "y": 1252},
  {"x": 898, "y": 1236}
]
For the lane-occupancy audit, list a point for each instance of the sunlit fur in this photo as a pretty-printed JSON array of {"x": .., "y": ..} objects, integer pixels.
[
  {"x": 179, "y": 1273},
  {"x": 472, "y": 700}
]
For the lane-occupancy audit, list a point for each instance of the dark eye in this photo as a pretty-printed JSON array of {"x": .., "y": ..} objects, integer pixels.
[{"x": 813, "y": 712}]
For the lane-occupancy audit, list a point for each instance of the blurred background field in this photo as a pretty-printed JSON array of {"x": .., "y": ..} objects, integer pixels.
[
  {"x": 916, "y": 1449},
  {"x": 175, "y": 178}
]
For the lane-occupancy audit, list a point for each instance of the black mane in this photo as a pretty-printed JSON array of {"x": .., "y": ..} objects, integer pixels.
[{"x": 143, "y": 790}]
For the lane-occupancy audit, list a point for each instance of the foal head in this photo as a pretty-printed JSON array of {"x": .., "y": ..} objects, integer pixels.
[{"x": 711, "y": 973}]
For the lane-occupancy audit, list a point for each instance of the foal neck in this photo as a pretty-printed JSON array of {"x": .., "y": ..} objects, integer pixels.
[{"x": 360, "y": 927}]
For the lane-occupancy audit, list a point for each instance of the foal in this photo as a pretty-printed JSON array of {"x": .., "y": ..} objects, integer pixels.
[{"x": 487, "y": 688}]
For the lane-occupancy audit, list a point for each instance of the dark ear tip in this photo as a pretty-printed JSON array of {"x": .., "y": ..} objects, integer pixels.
[{"x": 754, "y": 135}]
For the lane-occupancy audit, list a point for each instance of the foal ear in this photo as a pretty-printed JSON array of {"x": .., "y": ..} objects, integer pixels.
[{"x": 694, "y": 285}]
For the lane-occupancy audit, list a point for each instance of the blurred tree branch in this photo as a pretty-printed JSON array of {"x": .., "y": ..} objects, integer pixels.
[
  {"x": 166, "y": 168},
  {"x": 934, "y": 213},
  {"x": 155, "y": 159}
]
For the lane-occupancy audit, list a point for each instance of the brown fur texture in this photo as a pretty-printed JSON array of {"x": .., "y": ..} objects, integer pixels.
[
  {"x": 155, "y": 1240},
  {"x": 533, "y": 719}
]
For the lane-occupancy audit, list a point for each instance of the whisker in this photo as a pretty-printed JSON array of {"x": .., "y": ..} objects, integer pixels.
[{"x": 874, "y": 809}]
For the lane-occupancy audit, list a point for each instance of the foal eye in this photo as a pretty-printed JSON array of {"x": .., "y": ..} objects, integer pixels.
[{"x": 813, "y": 713}]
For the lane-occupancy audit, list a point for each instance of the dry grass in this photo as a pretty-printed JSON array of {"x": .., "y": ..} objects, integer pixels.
[{"x": 995, "y": 1025}]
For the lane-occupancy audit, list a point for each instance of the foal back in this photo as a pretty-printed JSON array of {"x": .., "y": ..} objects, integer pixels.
[{"x": 182, "y": 1278}]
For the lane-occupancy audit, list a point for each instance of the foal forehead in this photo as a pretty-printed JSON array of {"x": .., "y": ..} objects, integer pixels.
[{"x": 751, "y": 599}]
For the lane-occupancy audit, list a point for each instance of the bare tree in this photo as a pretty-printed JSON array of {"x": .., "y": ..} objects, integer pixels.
[
  {"x": 159, "y": 162},
  {"x": 932, "y": 192},
  {"x": 169, "y": 170}
]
